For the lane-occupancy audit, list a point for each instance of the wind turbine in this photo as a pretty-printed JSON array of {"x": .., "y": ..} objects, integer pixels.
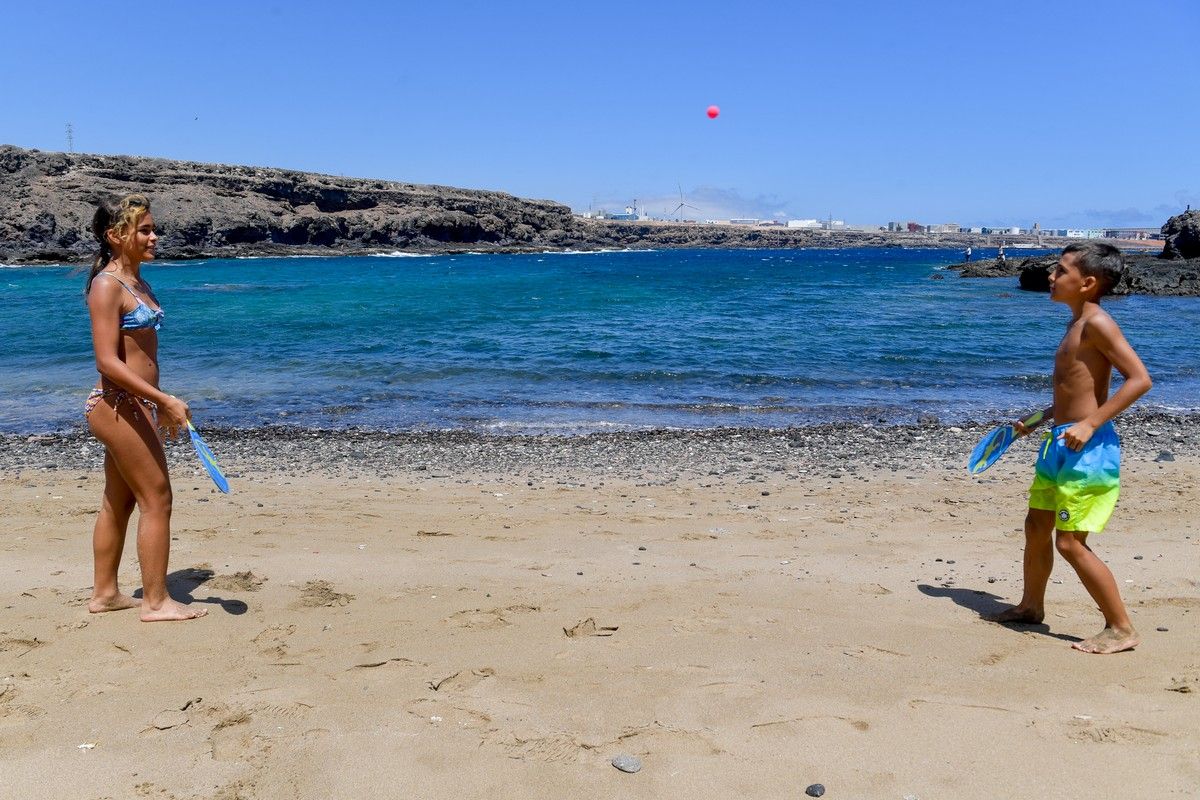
[{"x": 682, "y": 205}]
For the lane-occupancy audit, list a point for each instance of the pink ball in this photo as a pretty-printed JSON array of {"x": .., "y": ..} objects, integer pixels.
[{"x": 712, "y": 112}]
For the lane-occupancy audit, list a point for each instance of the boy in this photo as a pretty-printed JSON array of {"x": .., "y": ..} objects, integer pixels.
[{"x": 1075, "y": 482}]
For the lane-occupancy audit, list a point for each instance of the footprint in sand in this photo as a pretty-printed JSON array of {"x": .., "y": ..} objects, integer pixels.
[
  {"x": 232, "y": 720},
  {"x": 20, "y": 713},
  {"x": 804, "y": 727},
  {"x": 1086, "y": 731},
  {"x": 273, "y": 640},
  {"x": 1184, "y": 685},
  {"x": 560, "y": 748},
  {"x": 440, "y": 712},
  {"x": 15, "y": 711},
  {"x": 236, "y": 735},
  {"x": 462, "y": 680},
  {"x": 489, "y": 618},
  {"x": 21, "y": 646},
  {"x": 659, "y": 738},
  {"x": 238, "y": 582},
  {"x": 320, "y": 594},
  {"x": 1173, "y": 602},
  {"x": 588, "y": 627}
]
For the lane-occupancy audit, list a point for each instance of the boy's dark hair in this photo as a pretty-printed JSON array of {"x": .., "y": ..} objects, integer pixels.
[{"x": 1102, "y": 261}]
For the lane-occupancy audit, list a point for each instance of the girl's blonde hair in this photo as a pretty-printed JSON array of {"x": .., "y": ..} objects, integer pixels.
[{"x": 117, "y": 215}]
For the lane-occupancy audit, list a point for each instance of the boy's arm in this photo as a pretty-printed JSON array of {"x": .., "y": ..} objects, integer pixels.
[{"x": 1103, "y": 332}]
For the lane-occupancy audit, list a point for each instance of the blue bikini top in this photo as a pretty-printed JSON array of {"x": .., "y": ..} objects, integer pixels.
[{"x": 143, "y": 316}]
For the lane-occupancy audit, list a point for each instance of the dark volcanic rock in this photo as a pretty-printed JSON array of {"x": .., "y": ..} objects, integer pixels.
[
  {"x": 1150, "y": 275},
  {"x": 1144, "y": 274},
  {"x": 1183, "y": 235},
  {"x": 990, "y": 267},
  {"x": 47, "y": 201}
]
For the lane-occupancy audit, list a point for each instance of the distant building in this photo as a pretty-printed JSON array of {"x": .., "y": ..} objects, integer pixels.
[
  {"x": 744, "y": 221},
  {"x": 946, "y": 227},
  {"x": 914, "y": 227},
  {"x": 1084, "y": 233},
  {"x": 1132, "y": 233},
  {"x": 804, "y": 223}
]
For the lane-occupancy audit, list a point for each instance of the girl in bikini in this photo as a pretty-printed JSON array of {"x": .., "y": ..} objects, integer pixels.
[{"x": 126, "y": 410}]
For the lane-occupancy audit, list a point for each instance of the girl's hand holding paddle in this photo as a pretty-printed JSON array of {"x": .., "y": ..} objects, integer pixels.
[{"x": 174, "y": 416}]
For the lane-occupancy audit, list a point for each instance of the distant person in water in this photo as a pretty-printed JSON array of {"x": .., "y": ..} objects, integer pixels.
[
  {"x": 1075, "y": 482},
  {"x": 968, "y": 254},
  {"x": 126, "y": 411}
]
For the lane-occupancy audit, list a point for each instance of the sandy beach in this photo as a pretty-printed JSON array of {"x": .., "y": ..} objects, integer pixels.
[{"x": 450, "y": 616}]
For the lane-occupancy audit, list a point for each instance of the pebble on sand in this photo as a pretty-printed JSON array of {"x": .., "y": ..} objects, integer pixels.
[
  {"x": 627, "y": 763},
  {"x": 816, "y": 790}
]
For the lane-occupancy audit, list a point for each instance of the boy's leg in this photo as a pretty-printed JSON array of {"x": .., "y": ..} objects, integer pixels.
[
  {"x": 1118, "y": 633},
  {"x": 1038, "y": 562}
]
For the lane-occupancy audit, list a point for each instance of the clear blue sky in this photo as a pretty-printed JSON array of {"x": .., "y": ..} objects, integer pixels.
[{"x": 1065, "y": 113}]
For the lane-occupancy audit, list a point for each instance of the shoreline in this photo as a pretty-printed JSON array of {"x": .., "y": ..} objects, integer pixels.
[
  {"x": 661, "y": 455},
  {"x": 839, "y": 241}
]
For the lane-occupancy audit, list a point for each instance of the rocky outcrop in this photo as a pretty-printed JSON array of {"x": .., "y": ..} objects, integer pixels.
[
  {"x": 1182, "y": 232},
  {"x": 1144, "y": 274},
  {"x": 990, "y": 268},
  {"x": 47, "y": 201}
]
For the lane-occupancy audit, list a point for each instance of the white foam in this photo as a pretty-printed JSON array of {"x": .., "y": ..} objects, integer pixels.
[{"x": 592, "y": 252}]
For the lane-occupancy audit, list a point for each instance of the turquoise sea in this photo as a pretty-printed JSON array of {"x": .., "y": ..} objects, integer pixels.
[{"x": 577, "y": 342}]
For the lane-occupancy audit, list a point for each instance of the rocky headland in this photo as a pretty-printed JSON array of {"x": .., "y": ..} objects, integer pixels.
[{"x": 216, "y": 210}]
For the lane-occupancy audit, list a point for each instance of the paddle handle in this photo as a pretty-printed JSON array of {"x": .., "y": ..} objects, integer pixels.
[{"x": 1034, "y": 418}]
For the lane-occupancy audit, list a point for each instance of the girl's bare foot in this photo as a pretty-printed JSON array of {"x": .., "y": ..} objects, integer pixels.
[
  {"x": 1031, "y": 616},
  {"x": 116, "y": 602},
  {"x": 1110, "y": 640},
  {"x": 171, "y": 610}
]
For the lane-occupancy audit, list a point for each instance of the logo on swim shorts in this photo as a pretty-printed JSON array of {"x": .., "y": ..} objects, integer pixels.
[{"x": 1064, "y": 515}]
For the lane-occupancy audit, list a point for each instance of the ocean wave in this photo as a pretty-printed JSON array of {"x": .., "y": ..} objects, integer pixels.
[
  {"x": 402, "y": 254},
  {"x": 592, "y": 252},
  {"x": 559, "y": 427}
]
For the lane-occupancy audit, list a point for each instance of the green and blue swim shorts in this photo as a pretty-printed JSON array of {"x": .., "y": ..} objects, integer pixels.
[{"x": 1081, "y": 487}]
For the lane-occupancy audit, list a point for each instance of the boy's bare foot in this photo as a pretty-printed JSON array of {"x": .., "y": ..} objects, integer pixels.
[
  {"x": 117, "y": 602},
  {"x": 1031, "y": 616},
  {"x": 1110, "y": 640},
  {"x": 171, "y": 610}
]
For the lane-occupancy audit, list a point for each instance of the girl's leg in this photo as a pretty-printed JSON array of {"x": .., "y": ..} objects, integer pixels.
[
  {"x": 1118, "y": 633},
  {"x": 133, "y": 443},
  {"x": 108, "y": 541}
]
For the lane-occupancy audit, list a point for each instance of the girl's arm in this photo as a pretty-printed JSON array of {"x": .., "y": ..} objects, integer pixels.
[{"x": 104, "y": 305}]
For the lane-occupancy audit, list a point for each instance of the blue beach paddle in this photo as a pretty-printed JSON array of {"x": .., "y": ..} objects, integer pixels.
[
  {"x": 208, "y": 459},
  {"x": 993, "y": 445}
]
